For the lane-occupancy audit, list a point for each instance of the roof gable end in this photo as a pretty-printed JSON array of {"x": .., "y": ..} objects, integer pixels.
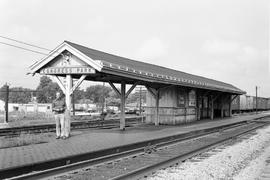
[{"x": 58, "y": 51}]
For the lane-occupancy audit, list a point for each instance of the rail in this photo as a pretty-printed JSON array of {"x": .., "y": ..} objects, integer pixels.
[
  {"x": 67, "y": 164},
  {"x": 112, "y": 123}
]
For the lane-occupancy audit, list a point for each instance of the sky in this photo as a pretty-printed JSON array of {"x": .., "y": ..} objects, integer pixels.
[{"x": 226, "y": 40}]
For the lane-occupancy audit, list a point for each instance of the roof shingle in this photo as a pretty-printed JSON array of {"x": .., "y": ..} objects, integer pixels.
[{"x": 154, "y": 70}]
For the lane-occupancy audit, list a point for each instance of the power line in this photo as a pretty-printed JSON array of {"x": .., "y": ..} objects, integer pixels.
[
  {"x": 22, "y": 91},
  {"x": 19, "y": 47},
  {"x": 25, "y": 43},
  {"x": 27, "y": 49},
  {"x": 28, "y": 44}
]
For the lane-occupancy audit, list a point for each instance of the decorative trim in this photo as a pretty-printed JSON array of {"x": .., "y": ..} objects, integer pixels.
[{"x": 58, "y": 51}]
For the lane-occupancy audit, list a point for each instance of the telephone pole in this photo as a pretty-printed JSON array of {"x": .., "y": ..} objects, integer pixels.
[
  {"x": 103, "y": 99},
  {"x": 6, "y": 103},
  {"x": 256, "y": 99}
]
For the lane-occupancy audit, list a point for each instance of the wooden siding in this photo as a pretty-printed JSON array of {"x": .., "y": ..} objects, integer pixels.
[{"x": 170, "y": 111}]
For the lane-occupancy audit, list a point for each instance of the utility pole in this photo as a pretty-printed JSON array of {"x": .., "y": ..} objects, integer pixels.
[
  {"x": 103, "y": 102},
  {"x": 256, "y": 99},
  {"x": 6, "y": 103}
]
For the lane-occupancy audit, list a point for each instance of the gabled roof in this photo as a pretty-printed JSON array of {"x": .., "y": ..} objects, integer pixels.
[{"x": 120, "y": 66}]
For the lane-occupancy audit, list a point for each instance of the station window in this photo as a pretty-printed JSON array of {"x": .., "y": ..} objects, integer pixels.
[
  {"x": 192, "y": 98},
  {"x": 181, "y": 98}
]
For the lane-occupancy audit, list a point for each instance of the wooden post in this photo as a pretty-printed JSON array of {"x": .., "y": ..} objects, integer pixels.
[
  {"x": 68, "y": 102},
  {"x": 140, "y": 101},
  {"x": 202, "y": 107},
  {"x": 186, "y": 105},
  {"x": 103, "y": 102},
  {"x": 123, "y": 96},
  {"x": 222, "y": 106},
  {"x": 256, "y": 99},
  {"x": 198, "y": 108},
  {"x": 73, "y": 103},
  {"x": 230, "y": 106},
  {"x": 157, "y": 108},
  {"x": 212, "y": 108},
  {"x": 208, "y": 103},
  {"x": 123, "y": 99},
  {"x": 141, "y": 104},
  {"x": 6, "y": 103}
]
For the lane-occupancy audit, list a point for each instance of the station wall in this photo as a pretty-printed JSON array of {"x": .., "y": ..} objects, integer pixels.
[
  {"x": 179, "y": 105},
  {"x": 176, "y": 106}
]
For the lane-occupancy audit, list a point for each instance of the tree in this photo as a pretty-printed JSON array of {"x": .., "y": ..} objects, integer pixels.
[
  {"x": 46, "y": 90},
  {"x": 97, "y": 93},
  {"x": 135, "y": 97},
  {"x": 3, "y": 92},
  {"x": 78, "y": 95},
  {"x": 20, "y": 95},
  {"x": 16, "y": 94},
  {"x": 113, "y": 99}
]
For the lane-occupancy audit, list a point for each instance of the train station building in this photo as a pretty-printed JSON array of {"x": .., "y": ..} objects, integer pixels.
[{"x": 173, "y": 96}]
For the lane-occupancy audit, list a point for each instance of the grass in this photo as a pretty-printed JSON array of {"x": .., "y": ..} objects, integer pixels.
[
  {"x": 21, "y": 115},
  {"x": 17, "y": 118}
]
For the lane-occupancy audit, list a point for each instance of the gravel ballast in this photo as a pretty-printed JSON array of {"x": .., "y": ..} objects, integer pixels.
[{"x": 243, "y": 160}]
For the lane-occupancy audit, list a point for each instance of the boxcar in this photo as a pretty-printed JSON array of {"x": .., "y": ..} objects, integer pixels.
[
  {"x": 246, "y": 103},
  {"x": 250, "y": 103},
  {"x": 243, "y": 103},
  {"x": 268, "y": 103},
  {"x": 263, "y": 103},
  {"x": 236, "y": 105}
]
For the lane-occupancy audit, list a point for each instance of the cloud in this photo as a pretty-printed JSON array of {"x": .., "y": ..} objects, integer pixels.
[
  {"x": 219, "y": 46},
  {"x": 152, "y": 48}
]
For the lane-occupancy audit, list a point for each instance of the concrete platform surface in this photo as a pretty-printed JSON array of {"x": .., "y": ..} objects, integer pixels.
[{"x": 94, "y": 140}]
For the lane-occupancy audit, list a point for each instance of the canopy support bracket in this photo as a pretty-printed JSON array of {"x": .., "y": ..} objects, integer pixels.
[{"x": 60, "y": 84}]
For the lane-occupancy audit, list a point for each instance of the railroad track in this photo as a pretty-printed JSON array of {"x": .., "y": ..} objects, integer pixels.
[
  {"x": 136, "y": 160},
  {"x": 175, "y": 158},
  {"x": 105, "y": 124}
]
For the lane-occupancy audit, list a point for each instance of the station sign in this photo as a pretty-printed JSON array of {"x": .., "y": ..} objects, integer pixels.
[{"x": 68, "y": 70}]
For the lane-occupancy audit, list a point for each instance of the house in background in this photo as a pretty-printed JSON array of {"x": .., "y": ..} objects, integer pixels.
[
  {"x": 30, "y": 107},
  {"x": 2, "y": 105}
]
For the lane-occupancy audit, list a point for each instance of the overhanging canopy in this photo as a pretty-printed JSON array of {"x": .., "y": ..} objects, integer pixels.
[{"x": 114, "y": 68}]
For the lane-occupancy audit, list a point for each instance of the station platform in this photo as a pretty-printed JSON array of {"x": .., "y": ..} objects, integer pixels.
[{"x": 90, "y": 140}]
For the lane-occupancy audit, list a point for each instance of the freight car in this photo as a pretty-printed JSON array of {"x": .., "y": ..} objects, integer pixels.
[
  {"x": 236, "y": 105},
  {"x": 246, "y": 103}
]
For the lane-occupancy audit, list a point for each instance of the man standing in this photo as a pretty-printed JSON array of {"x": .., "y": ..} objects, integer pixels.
[{"x": 58, "y": 107}]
